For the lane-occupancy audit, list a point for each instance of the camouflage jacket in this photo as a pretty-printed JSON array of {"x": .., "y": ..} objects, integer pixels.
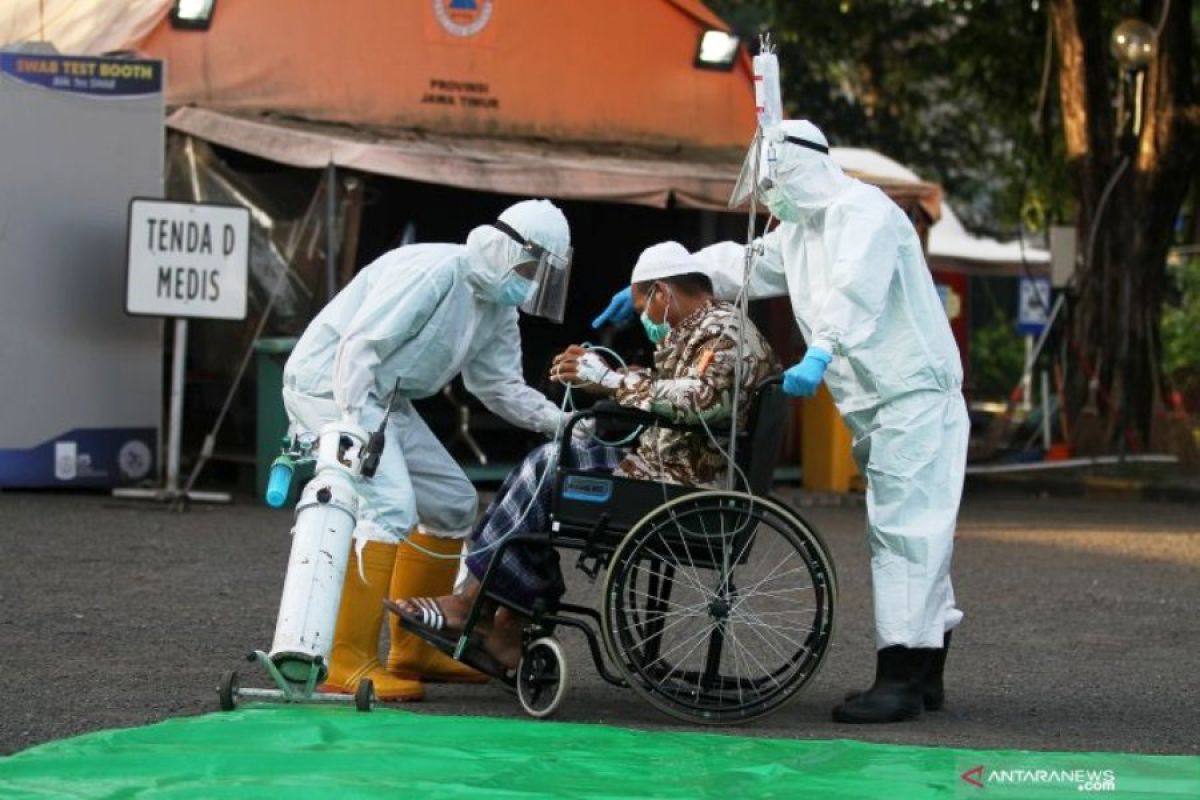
[{"x": 692, "y": 380}]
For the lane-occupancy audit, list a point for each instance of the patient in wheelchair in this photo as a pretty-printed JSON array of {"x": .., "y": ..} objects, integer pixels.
[{"x": 692, "y": 381}]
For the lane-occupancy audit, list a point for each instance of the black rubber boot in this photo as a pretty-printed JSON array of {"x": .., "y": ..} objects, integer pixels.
[
  {"x": 897, "y": 693},
  {"x": 933, "y": 693}
]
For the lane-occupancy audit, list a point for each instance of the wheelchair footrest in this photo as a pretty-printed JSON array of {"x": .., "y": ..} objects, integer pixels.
[{"x": 473, "y": 654}]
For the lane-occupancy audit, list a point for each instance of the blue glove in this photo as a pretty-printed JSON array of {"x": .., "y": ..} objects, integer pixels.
[
  {"x": 620, "y": 308},
  {"x": 803, "y": 379}
]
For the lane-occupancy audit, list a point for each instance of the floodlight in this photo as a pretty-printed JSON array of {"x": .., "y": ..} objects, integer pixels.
[
  {"x": 192, "y": 14},
  {"x": 717, "y": 50}
]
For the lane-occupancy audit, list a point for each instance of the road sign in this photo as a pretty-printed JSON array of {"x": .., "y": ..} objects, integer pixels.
[
  {"x": 187, "y": 259},
  {"x": 1033, "y": 310}
]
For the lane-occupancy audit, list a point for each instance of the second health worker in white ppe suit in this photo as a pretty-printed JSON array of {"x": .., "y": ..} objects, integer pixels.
[
  {"x": 851, "y": 263},
  {"x": 406, "y": 326}
]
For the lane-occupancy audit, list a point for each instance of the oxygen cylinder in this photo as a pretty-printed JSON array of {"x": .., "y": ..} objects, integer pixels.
[
  {"x": 768, "y": 99},
  {"x": 321, "y": 539}
]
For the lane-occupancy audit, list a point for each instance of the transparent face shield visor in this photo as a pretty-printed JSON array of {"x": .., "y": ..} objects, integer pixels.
[
  {"x": 549, "y": 271},
  {"x": 758, "y": 172},
  {"x": 766, "y": 153}
]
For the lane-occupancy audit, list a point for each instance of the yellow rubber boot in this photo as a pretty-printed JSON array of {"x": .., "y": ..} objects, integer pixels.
[
  {"x": 419, "y": 574},
  {"x": 356, "y": 637}
]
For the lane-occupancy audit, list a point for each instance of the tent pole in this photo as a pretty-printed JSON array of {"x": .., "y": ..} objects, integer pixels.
[{"x": 331, "y": 283}]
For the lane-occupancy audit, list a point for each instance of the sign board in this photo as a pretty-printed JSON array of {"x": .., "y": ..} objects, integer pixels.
[
  {"x": 100, "y": 77},
  {"x": 187, "y": 259},
  {"x": 1033, "y": 310},
  {"x": 1062, "y": 254}
]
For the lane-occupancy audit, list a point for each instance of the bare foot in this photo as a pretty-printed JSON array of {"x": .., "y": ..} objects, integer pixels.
[{"x": 503, "y": 643}]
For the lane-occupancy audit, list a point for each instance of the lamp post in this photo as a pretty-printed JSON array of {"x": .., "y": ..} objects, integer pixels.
[{"x": 1133, "y": 44}]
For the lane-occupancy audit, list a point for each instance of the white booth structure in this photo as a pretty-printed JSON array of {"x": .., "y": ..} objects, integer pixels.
[{"x": 81, "y": 402}]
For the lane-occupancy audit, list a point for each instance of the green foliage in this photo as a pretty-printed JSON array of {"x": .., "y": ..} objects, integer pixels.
[
  {"x": 1181, "y": 327},
  {"x": 950, "y": 88},
  {"x": 997, "y": 356}
]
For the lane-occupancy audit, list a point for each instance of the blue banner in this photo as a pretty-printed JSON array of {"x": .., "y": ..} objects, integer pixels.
[
  {"x": 106, "y": 77},
  {"x": 92, "y": 457}
]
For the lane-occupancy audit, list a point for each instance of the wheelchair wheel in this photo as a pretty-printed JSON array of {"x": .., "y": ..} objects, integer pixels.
[
  {"x": 542, "y": 677},
  {"x": 718, "y": 606}
]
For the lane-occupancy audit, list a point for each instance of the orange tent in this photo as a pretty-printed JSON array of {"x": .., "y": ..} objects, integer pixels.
[{"x": 573, "y": 99}]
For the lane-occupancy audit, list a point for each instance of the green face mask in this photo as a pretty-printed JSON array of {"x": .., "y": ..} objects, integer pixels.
[{"x": 656, "y": 331}]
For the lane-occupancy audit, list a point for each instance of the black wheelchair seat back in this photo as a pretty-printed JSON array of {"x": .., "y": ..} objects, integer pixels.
[{"x": 604, "y": 507}]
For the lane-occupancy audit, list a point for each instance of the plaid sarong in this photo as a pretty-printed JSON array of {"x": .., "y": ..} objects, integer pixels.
[{"x": 527, "y": 572}]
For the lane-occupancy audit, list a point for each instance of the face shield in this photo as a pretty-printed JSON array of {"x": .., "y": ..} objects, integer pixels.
[
  {"x": 767, "y": 166},
  {"x": 549, "y": 271}
]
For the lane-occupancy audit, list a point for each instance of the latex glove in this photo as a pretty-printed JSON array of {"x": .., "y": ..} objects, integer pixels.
[
  {"x": 803, "y": 379},
  {"x": 620, "y": 308}
]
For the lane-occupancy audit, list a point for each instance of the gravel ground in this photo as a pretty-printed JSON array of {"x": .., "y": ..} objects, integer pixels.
[{"x": 1081, "y": 630}]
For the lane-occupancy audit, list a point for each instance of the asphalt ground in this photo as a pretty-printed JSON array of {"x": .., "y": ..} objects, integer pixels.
[{"x": 1082, "y": 627}]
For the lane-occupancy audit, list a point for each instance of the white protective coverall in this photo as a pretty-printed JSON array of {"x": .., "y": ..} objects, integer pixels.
[
  {"x": 414, "y": 319},
  {"x": 851, "y": 263}
]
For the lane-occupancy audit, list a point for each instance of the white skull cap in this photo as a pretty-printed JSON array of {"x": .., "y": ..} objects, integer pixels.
[{"x": 664, "y": 260}]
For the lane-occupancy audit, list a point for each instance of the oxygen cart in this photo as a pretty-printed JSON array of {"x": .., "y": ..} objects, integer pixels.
[{"x": 718, "y": 605}]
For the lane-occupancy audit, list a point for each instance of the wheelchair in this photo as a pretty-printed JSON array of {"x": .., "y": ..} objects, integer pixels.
[{"x": 718, "y": 606}]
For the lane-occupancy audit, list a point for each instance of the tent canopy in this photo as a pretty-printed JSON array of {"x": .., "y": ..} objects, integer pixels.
[
  {"x": 586, "y": 70},
  {"x": 951, "y": 246},
  {"x": 587, "y": 99},
  {"x": 695, "y": 178}
]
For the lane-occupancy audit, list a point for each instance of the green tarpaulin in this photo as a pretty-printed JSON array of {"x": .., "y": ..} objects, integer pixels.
[{"x": 294, "y": 751}]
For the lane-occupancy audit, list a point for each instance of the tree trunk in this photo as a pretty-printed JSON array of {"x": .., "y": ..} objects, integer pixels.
[{"x": 1136, "y": 187}]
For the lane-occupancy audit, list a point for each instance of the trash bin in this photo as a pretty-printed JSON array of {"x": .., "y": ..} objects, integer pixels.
[
  {"x": 828, "y": 461},
  {"x": 270, "y": 354}
]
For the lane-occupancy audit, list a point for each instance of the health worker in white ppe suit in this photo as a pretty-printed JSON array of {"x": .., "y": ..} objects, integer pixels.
[
  {"x": 401, "y": 330},
  {"x": 877, "y": 334}
]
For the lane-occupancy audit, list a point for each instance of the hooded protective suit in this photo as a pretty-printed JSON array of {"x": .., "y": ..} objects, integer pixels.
[
  {"x": 413, "y": 320},
  {"x": 851, "y": 263}
]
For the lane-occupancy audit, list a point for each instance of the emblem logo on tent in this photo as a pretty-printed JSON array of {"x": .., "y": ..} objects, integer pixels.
[{"x": 463, "y": 17}]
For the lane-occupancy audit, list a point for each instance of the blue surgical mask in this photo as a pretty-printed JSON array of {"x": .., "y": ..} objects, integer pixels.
[
  {"x": 514, "y": 290},
  {"x": 655, "y": 331}
]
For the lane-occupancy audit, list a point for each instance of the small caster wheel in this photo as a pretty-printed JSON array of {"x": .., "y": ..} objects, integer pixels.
[
  {"x": 227, "y": 690},
  {"x": 542, "y": 677},
  {"x": 364, "y": 695}
]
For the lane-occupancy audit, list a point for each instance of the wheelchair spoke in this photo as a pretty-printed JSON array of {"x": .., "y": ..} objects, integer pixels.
[
  {"x": 777, "y": 630},
  {"x": 691, "y": 574},
  {"x": 774, "y": 574},
  {"x": 737, "y": 665},
  {"x": 778, "y": 594},
  {"x": 766, "y": 672},
  {"x": 698, "y": 637}
]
